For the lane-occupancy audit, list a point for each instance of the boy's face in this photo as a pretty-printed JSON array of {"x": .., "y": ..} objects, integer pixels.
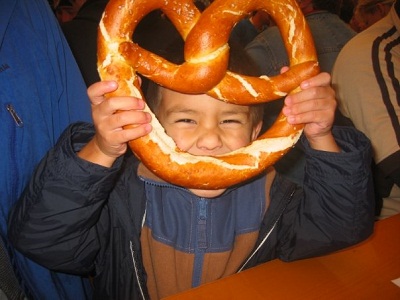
[{"x": 202, "y": 125}]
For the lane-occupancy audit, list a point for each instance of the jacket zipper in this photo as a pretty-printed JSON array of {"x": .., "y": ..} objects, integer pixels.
[
  {"x": 268, "y": 233},
  {"x": 18, "y": 121},
  {"x": 201, "y": 241},
  {"x": 12, "y": 148},
  {"x": 136, "y": 271}
]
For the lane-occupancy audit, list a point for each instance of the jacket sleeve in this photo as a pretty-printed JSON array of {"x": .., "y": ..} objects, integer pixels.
[
  {"x": 56, "y": 220},
  {"x": 336, "y": 209}
]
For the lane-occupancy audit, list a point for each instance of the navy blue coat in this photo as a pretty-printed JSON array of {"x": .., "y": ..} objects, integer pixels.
[
  {"x": 79, "y": 217},
  {"x": 41, "y": 93}
]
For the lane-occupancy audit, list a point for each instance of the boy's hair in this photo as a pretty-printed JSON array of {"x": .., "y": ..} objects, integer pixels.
[{"x": 239, "y": 62}]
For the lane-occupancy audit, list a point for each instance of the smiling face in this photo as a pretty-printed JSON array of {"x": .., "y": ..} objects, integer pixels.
[{"x": 202, "y": 125}]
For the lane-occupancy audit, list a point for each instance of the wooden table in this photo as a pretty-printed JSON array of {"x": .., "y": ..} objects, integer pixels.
[{"x": 364, "y": 271}]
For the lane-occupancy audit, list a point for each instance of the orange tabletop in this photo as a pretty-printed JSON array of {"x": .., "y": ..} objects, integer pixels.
[{"x": 369, "y": 270}]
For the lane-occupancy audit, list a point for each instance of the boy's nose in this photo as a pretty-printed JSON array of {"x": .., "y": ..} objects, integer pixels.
[{"x": 209, "y": 140}]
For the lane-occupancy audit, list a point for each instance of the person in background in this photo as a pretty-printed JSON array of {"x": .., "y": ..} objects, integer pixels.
[
  {"x": 330, "y": 34},
  {"x": 368, "y": 93},
  {"x": 41, "y": 93},
  {"x": 368, "y": 12}
]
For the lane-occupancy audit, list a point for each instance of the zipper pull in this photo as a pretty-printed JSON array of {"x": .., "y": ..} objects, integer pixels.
[
  {"x": 14, "y": 115},
  {"x": 202, "y": 225}
]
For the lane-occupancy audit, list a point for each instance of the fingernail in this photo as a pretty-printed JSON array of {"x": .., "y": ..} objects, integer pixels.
[
  {"x": 113, "y": 84},
  {"x": 286, "y": 111},
  {"x": 290, "y": 119},
  {"x": 305, "y": 84},
  {"x": 140, "y": 102}
]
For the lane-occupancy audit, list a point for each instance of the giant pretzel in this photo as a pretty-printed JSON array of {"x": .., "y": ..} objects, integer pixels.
[{"x": 205, "y": 71}]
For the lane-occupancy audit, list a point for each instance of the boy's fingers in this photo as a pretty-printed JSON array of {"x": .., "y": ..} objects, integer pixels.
[
  {"x": 97, "y": 91},
  {"x": 322, "y": 79},
  {"x": 325, "y": 93},
  {"x": 316, "y": 117},
  {"x": 299, "y": 104},
  {"x": 122, "y": 119},
  {"x": 108, "y": 108},
  {"x": 134, "y": 133}
]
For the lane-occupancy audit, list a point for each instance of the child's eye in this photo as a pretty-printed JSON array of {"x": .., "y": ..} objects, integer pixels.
[
  {"x": 231, "y": 121},
  {"x": 185, "y": 121}
]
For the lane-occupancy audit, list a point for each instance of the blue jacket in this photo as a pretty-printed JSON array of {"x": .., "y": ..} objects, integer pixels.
[
  {"x": 101, "y": 212},
  {"x": 41, "y": 92}
]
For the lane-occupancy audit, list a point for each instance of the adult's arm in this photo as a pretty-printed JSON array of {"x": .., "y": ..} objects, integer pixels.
[{"x": 372, "y": 106}]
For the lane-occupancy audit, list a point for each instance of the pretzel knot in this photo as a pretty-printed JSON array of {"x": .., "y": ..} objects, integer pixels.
[{"x": 204, "y": 70}]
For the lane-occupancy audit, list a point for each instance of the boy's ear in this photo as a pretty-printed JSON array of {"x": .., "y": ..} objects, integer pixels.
[{"x": 256, "y": 131}]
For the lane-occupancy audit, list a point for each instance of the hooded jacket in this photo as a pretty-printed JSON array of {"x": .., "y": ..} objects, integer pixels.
[{"x": 82, "y": 218}]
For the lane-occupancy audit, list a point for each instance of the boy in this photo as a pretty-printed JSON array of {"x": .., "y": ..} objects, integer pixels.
[{"x": 91, "y": 209}]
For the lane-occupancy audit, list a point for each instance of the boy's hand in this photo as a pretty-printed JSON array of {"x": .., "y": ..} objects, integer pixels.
[
  {"x": 314, "y": 106},
  {"x": 110, "y": 140}
]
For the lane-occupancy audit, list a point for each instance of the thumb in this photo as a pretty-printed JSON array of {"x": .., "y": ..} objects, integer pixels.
[{"x": 97, "y": 91}]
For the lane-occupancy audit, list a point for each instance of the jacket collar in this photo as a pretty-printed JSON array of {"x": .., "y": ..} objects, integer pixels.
[{"x": 146, "y": 175}]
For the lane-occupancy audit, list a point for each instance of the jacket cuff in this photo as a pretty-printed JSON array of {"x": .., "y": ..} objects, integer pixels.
[
  {"x": 355, "y": 157},
  {"x": 70, "y": 166}
]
